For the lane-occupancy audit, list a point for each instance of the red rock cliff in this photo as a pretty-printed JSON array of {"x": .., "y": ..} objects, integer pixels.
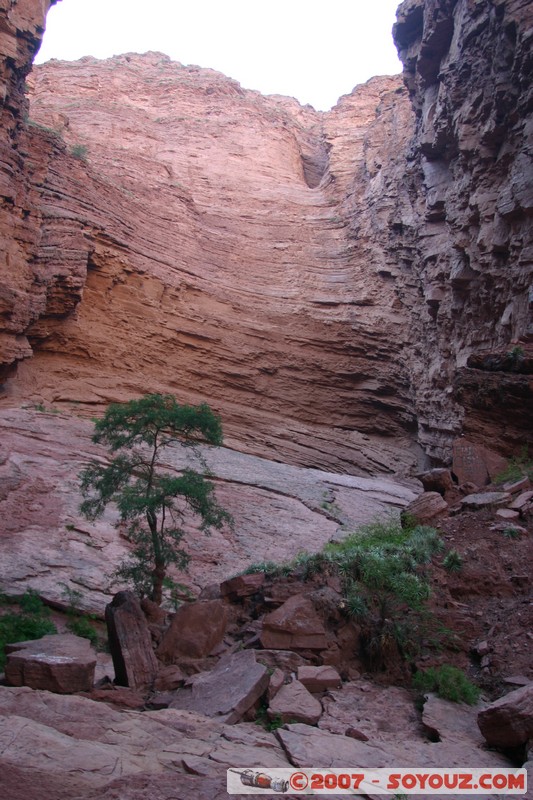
[
  {"x": 22, "y": 287},
  {"x": 234, "y": 254},
  {"x": 321, "y": 279}
]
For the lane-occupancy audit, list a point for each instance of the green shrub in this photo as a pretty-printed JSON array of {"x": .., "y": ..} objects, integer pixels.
[
  {"x": 519, "y": 466},
  {"x": 511, "y": 533},
  {"x": 78, "y": 623},
  {"x": 82, "y": 627},
  {"x": 383, "y": 570},
  {"x": 79, "y": 151},
  {"x": 448, "y": 682},
  {"x": 31, "y": 603},
  {"x": 262, "y": 719},
  {"x": 270, "y": 568},
  {"x": 453, "y": 561},
  {"x": 31, "y": 623}
]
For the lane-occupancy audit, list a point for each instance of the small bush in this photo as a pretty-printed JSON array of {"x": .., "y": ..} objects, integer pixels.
[
  {"x": 448, "y": 682},
  {"x": 78, "y": 623},
  {"x": 518, "y": 467},
  {"x": 31, "y": 603},
  {"x": 270, "y": 568},
  {"x": 453, "y": 561},
  {"x": 264, "y": 720},
  {"x": 81, "y": 626},
  {"x": 32, "y": 623},
  {"x": 79, "y": 151},
  {"x": 511, "y": 533}
]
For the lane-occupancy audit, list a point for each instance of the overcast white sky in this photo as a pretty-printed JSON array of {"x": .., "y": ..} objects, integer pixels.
[{"x": 314, "y": 51}]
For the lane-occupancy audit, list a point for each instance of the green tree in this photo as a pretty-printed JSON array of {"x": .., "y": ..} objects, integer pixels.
[{"x": 151, "y": 500}]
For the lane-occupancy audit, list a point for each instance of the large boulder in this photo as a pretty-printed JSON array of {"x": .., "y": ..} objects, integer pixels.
[
  {"x": 228, "y": 691},
  {"x": 509, "y": 721},
  {"x": 436, "y": 480},
  {"x": 426, "y": 507},
  {"x": 130, "y": 642},
  {"x": 61, "y": 663},
  {"x": 473, "y": 463},
  {"x": 294, "y": 703},
  {"x": 294, "y": 626},
  {"x": 195, "y": 630}
]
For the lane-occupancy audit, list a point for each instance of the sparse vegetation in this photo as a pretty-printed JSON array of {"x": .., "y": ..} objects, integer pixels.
[
  {"x": 31, "y": 622},
  {"x": 453, "y": 561},
  {"x": 516, "y": 356},
  {"x": 271, "y": 569},
  {"x": 264, "y": 720},
  {"x": 81, "y": 626},
  {"x": 33, "y": 124},
  {"x": 519, "y": 466},
  {"x": 383, "y": 569},
  {"x": 44, "y": 410},
  {"x": 448, "y": 682},
  {"x": 79, "y": 151},
  {"x": 511, "y": 533}
]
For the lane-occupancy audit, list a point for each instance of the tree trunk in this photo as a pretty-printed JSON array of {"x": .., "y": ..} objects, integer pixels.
[{"x": 158, "y": 576}]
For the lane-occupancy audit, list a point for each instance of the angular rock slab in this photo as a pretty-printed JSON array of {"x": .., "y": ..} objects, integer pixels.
[
  {"x": 130, "y": 642},
  {"x": 473, "y": 463},
  {"x": 509, "y": 721},
  {"x": 61, "y": 663},
  {"x": 473, "y": 502},
  {"x": 426, "y": 507},
  {"x": 307, "y": 746},
  {"x": 295, "y": 625},
  {"x": 436, "y": 480},
  {"x": 228, "y": 691},
  {"x": 195, "y": 630},
  {"x": 445, "y": 720},
  {"x": 293, "y": 703},
  {"x": 319, "y": 679}
]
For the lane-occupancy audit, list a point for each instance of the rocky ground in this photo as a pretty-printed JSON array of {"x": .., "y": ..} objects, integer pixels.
[{"x": 221, "y": 707}]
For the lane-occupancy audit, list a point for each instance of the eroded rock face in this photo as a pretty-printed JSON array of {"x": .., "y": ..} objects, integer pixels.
[
  {"x": 92, "y": 747},
  {"x": 257, "y": 271},
  {"x": 35, "y": 280},
  {"x": 467, "y": 67}
]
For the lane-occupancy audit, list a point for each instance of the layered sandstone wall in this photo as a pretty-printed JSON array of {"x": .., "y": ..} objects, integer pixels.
[
  {"x": 23, "y": 285},
  {"x": 234, "y": 254},
  {"x": 323, "y": 279},
  {"x": 468, "y": 68}
]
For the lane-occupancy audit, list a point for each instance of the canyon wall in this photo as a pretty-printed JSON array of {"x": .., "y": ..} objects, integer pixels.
[
  {"x": 22, "y": 293},
  {"x": 324, "y": 280},
  {"x": 232, "y": 249},
  {"x": 468, "y": 68}
]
